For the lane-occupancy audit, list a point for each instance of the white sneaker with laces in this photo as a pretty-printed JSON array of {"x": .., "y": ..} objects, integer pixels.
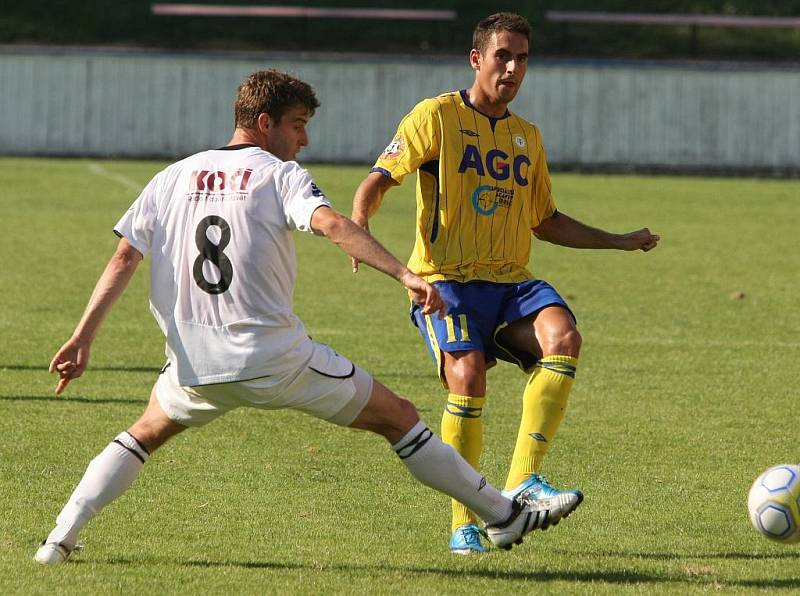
[{"x": 523, "y": 519}]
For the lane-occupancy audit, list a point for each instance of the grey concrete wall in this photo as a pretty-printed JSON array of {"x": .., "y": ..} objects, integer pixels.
[
  {"x": 103, "y": 102},
  {"x": 689, "y": 117}
]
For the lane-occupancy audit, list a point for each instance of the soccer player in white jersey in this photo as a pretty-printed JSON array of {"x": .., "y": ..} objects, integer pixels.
[{"x": 218, "y": 227}]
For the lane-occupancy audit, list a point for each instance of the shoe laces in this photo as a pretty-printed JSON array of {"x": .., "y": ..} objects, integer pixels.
[
  {"x": 471, "y": 533},
  {"x": 541, "y": 488}
]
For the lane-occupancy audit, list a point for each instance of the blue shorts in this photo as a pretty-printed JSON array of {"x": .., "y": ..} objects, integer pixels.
[{"x": 478, "y": 311}]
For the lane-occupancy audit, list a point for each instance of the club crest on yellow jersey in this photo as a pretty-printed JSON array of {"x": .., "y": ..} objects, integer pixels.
[
  {"x": 487, "y": 198},
  {"x": 395, "y": 148}
]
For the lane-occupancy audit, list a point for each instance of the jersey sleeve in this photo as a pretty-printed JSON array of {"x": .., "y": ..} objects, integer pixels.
[
  {"x": 138, "y": 222},
  {"x": 300, "y": 197},
  {"x": 543, "y": 203},
  {"x": 416, "y": 141}
]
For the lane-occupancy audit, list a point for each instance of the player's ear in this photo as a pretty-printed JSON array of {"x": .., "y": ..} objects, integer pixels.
[
  {"x": 475, "y": 59},
  {"x": 264, "y": 122}
]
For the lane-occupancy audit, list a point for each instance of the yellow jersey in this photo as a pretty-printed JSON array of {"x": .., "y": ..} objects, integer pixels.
[{"x": 482, "y": 185}]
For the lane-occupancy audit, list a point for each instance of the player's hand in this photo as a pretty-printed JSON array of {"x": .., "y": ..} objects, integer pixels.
[
  {"x": 424, "y": 294},
  {"x": 69, "y": 363},
  {"x": 354, "y": 261},
  {"x": 642, "y": 240}
]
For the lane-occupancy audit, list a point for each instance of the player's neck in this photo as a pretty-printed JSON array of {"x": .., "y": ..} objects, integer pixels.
[
  {"x": 243, "y": 136},
  {"x": 481, "y": 102}
]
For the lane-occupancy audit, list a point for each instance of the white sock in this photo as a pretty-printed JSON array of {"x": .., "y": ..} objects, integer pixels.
[
  {"x": 439, "y": 466},
  {"x": 107, "y": 477}
]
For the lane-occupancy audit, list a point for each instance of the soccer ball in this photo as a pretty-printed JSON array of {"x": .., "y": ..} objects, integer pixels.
[{"x": 774, "y": 503}]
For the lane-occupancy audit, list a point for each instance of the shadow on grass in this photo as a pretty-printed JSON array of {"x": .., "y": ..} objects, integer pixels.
[
  {"x": 616, "y": 576},
  {"x": 43, "y": 368},
  {"x": 770, "y": 583},
  {"x": 744, "y": 556},
  {"x": 82, "y": 400},
  {"x": 613, "y": 576}
]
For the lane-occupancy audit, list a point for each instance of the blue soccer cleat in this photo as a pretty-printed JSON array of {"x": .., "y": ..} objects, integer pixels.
[
  {"x": 466, "y": 540},
  {"x": 553, "y": 504}
]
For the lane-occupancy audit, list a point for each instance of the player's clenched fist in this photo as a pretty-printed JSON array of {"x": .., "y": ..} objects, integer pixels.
[{"x": 641, "y": 240}]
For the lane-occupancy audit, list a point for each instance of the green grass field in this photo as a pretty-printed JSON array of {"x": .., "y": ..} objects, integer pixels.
[{"x": 686, "y": 392}]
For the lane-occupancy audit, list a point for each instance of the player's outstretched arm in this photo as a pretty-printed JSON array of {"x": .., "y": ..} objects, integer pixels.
[
  {"x": 563, "y": 230},
  {"x": 73, "y": 357},
  {"x": 367, "y": 199},
  {"x": 358, "y": 243}
]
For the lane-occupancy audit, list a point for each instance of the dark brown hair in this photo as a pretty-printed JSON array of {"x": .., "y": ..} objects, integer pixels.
[
  {"x": 501, "y": 21},
  {"x": 271, "y": 92}
]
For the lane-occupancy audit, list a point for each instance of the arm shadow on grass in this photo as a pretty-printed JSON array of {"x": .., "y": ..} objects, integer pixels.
[
  {"x": 614, "y": 576},
  {"x": 43, "y": 368},
  {"x": 81, "y": 400}
]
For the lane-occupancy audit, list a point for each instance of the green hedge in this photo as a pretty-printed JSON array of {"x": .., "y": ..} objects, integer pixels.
[{"x": 129, "y": 22}]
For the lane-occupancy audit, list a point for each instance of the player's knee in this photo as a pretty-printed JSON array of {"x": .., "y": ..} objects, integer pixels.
[
  {"x": 467, "y": 376},
  {"x": 563, "y": 342}
]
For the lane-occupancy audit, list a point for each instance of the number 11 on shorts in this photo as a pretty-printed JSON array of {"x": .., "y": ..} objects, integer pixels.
[{"x": 462, "y": 327}]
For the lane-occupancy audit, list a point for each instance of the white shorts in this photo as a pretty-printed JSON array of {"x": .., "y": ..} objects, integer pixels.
[{"x": 328, "y": 386}]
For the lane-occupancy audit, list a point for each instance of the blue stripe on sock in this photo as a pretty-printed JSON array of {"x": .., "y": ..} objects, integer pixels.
[
  {"x": 561, "y": 368},
  {"x": 462, "y": 411}
]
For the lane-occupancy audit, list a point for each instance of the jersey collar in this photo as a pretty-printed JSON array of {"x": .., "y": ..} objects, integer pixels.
[
  {"x": 235, "y": 147},
  {"x": 492, "y": 119}
]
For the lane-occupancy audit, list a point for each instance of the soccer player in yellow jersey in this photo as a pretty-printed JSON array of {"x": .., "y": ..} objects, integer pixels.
[{"x": 482, "y": 187}]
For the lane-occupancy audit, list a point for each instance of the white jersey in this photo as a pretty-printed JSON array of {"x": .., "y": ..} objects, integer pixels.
[{"x": 218, "y": 226}]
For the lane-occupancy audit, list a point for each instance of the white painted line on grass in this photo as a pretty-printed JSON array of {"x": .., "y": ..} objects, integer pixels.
[{"x": 98, "y": 169}]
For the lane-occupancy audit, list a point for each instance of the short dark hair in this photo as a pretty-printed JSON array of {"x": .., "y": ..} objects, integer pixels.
[
  {"x": 271, "y": 92},
  {"x": 501, "y": 21}
]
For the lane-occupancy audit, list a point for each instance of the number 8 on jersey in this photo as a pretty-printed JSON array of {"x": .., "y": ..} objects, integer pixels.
[{"x": 213, "y": 253}]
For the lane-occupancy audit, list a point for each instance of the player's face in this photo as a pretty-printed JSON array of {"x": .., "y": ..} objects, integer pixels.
[
  {"x": 286, "y": 136},
  {"x": 501, "y": 67}
]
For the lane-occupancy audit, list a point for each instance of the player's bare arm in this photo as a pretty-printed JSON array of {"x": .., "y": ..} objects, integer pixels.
[
  {"x": 369, "y": 196},
  {"x": 72, "y": 359},
  {"x": 358, "y": 243},
  {"x": 367, "y": 200},
  {"x": 565, "y": 231}
]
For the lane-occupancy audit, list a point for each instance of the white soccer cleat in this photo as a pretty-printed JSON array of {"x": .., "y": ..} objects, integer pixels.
[
  {"x": 52, "y": 553},
  {"x": 536, "y": 492},
  {"x": 523, "y": 519}
]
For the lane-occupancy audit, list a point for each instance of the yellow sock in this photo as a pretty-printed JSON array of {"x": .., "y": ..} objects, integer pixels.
[
  {"x": 462, "y": 429},
  {"x": 543, "y": 405}
]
